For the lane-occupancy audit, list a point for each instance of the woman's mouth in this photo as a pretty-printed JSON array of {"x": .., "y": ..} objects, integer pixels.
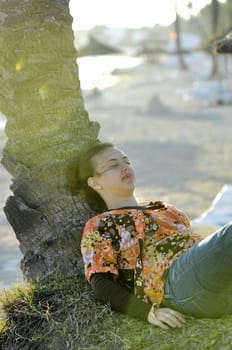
[{"x": 127, "y": 177}]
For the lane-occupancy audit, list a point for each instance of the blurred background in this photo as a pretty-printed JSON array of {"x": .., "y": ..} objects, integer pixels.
[
  {"x": 149, "y": 28},
  {"x": 151, "y": 77}
]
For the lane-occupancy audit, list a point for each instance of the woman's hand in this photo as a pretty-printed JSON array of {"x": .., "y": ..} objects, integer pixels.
[{"x": 165, "y": 318}]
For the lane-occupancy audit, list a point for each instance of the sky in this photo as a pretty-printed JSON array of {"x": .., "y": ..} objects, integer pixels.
[{"x": 130, "y": 13}]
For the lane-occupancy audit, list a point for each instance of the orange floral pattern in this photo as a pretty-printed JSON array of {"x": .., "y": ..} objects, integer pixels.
[{"x": 137, "y": 246}]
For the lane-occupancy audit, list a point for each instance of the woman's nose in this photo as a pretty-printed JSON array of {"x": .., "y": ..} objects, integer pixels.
[{"x": 125, "y": 168}]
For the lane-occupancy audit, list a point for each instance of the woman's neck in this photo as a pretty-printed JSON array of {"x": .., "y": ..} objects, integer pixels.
[{"x": 121, "y": 202}]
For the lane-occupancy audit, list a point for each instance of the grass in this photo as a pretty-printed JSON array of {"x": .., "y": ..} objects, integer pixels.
[{"x": 61, "y": 314}]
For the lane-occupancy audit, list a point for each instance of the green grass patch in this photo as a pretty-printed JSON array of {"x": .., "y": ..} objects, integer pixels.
[{"x": 60, "y": 313}]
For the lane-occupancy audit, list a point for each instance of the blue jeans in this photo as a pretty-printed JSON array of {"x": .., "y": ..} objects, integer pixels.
[{"x": 199, "y": 283}]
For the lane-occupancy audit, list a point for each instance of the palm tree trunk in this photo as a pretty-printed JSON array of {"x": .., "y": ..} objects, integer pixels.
[
  {"x": 47, "y": 127},
  {"x": 182, "y": 63}
]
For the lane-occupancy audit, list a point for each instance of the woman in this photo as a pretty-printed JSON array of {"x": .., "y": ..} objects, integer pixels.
[{"x": 145, "y": 260}]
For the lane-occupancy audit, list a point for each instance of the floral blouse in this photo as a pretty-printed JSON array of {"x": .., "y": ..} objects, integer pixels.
[{"x": 137, "y": 245}]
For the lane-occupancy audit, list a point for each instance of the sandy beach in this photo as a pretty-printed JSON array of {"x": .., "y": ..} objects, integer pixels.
[{"x": 181, "y": 147}]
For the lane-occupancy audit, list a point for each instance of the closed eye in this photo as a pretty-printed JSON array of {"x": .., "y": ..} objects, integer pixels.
[{"x": 113, "y": 166}]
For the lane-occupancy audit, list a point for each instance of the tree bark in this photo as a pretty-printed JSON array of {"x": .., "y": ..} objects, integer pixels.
[{"x": 47, "y": 127}]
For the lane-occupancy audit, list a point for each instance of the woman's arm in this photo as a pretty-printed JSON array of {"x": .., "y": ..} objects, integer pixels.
[{"x": 107, "y": 290}]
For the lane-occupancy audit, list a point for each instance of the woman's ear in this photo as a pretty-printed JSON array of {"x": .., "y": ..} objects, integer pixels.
[{"x": 93, "y": 184}]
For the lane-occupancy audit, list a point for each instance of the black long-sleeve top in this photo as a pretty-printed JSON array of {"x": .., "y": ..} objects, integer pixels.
[{"x": 122, "y": 300}]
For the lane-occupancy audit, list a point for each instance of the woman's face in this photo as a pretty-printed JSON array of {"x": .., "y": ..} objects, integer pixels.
[{"x": 114, "y": 173}]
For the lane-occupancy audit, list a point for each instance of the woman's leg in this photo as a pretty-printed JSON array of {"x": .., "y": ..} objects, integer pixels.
[{"x": 199, "y": 283}]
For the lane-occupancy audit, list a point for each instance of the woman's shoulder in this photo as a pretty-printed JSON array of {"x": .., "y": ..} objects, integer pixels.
[
  {"x": 98, "y": 217},
  {"x": 108, "y": 215},
  {"x": 157, "y": 204}
]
